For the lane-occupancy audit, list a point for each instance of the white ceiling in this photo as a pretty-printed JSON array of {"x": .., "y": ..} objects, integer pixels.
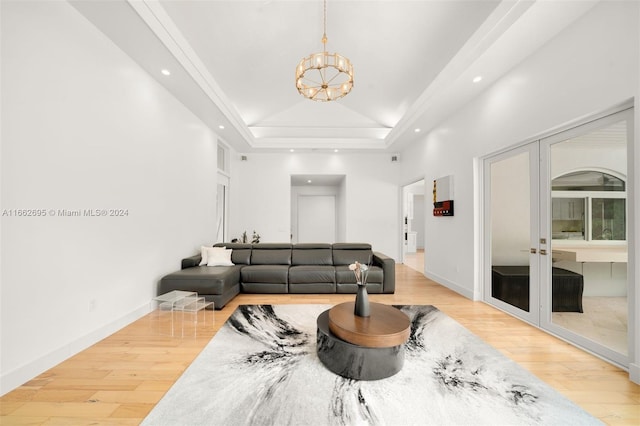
[{"x": 233, "y": 62}]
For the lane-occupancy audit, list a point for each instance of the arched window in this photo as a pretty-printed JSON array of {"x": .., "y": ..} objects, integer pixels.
[{"x": 587, "y": 180}]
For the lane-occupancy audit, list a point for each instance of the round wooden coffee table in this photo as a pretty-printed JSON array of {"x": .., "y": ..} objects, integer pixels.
[
  {"x": 386, "y": 326},
  {"x": 363, "y": 348}
]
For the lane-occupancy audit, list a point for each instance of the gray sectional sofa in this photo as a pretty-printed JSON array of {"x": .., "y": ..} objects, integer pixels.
[{"x": 282, "y": 268}]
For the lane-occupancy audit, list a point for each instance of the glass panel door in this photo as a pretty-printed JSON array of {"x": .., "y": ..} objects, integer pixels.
[
  {"x": 584, "y": 174},
  {"x": 511, "y": 246}
]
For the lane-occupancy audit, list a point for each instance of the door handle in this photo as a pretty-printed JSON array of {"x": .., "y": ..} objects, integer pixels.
[{"x": 533, "y": 251}]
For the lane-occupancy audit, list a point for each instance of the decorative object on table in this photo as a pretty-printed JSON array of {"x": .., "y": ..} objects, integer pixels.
[
  {"x": 361, "y": 271},
  {"x": 261, "y": 367},
  {"x": 443, "y": 196},
  {"x": 244, "y": 238},
  {"x": 324, "y": 76}
]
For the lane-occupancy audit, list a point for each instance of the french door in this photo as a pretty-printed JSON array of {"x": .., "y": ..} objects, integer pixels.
[
  {"x": 555, "y": 234},
  {"x": 512, "y": 243}
]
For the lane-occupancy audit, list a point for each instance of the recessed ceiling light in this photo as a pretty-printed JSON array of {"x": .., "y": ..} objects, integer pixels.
[
  {"x": 335, "y": 150},
  {"x": 309, "y": 181},
  {"x": 477, "y": 79},
  {"x": 166, "y": 72},
  {"x": 291, "y": 150},
  {"x": 417, "y": 130},
  {"x": 221, "y": 127}
]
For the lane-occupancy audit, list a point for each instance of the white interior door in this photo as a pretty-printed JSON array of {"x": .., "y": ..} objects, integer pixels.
[{"x": 316, "y": 219}]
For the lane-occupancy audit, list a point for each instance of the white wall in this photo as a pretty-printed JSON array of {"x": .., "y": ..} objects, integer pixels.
[
  {"x": 342, "y": 211},
  {"x": 261, "y": 195},
  {"x": 589, "y": 67},
  {"x": 83, "y": 127},
  {"x": 318, "y": 190}
]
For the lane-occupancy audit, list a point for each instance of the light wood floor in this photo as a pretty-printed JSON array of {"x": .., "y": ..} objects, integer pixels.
[
  {"x": 415, "y": 260},
  {"x": 120, "y": 379}
]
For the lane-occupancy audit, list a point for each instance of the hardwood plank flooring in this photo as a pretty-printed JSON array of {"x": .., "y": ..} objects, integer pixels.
[{"x": 119, "y": 380}]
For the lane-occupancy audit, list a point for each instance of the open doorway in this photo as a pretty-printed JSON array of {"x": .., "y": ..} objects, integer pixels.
[{"x": 413, "y": 212}]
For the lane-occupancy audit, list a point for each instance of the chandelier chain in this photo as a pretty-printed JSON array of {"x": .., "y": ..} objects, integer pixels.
[{"x": 324, "y": 32}]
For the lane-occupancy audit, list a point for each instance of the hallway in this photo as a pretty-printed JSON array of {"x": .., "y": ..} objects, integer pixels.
[{"x": 415, "y": 260}]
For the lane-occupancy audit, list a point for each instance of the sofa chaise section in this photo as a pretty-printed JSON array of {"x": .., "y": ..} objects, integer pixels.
[{"x": 217, "y": 284}]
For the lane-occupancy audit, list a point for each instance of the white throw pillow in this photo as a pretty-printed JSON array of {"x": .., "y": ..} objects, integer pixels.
[
  {"x": 204, "y": 253},
  {"x": 219, "y": 257}
]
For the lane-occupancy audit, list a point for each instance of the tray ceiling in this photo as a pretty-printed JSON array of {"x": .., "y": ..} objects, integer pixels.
[{"x": 232, "y": 62}]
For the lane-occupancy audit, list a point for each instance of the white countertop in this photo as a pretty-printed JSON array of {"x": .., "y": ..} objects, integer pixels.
[{"x": 590, "y": 254}]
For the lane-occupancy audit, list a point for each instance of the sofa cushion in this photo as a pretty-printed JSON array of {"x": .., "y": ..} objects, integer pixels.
[
  {"x": 271, "y": 254},
  {"x": 275, "y": 274},
  {"x": 218, "y": 257},
  {"x": 309, "y": 274},
  {"x": 312, "y": 288},
  {"x": 312, "y": 254},
  {"x": 346, "y": 280},
  {"x": 346, "y": 276},
  {"x": 205, "y": 251},
  {"x": 241, "y": 253},
  {"x": 264, "y": 288},
  {"x": 347, "y": 253},
  {"x": 312, "y": 279},
  {"x": 372, "y": 288}
]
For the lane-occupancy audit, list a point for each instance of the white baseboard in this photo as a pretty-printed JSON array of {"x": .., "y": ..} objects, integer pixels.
[
  {"x": 634, "y": 373},
  {"x": 468, "y": 293},
  {"x": 12, "y": 379}
]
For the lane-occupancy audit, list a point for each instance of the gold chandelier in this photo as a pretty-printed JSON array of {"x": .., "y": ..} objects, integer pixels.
[{"x": 324, "y": 76}]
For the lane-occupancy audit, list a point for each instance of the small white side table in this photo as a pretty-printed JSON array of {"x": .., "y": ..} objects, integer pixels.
[{"x": 183, "y": 309}]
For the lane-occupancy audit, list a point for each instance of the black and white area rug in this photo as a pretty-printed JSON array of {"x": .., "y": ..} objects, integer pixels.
[{"x": 261, "y": 368}]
